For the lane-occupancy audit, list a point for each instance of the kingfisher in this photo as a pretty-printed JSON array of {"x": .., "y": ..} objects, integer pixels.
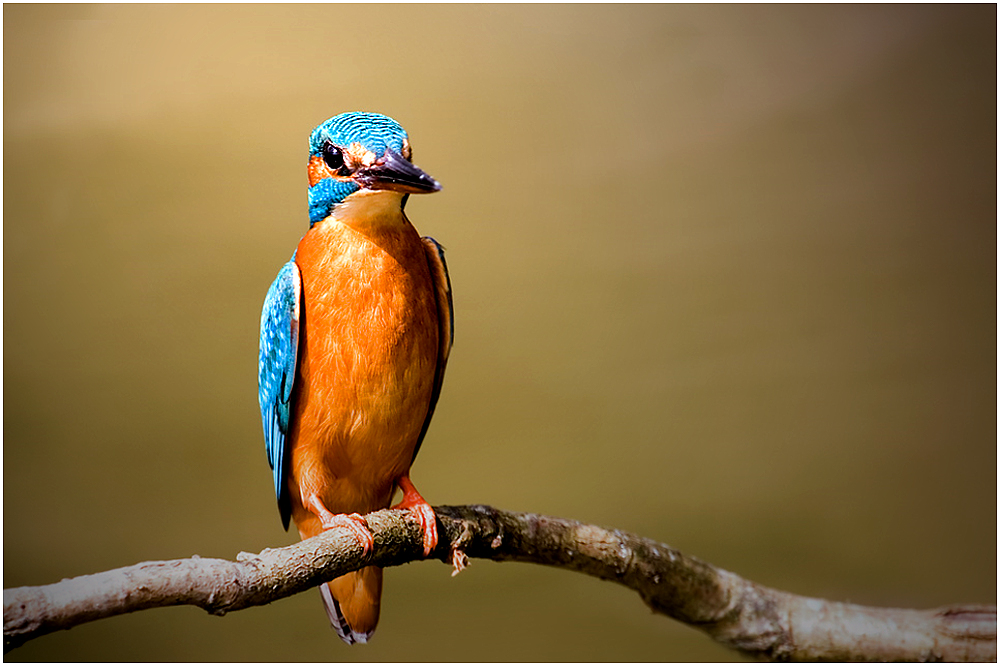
[{"x": 354, "y": 338}]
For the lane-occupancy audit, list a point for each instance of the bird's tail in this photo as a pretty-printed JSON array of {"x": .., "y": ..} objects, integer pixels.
[{"x": 352, "y": 604}]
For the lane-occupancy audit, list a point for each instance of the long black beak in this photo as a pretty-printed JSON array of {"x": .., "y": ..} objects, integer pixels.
[{"x": 394, "y": 172}]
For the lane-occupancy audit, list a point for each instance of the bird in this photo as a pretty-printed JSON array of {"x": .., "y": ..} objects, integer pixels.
[{"x": 355, "y": 334}]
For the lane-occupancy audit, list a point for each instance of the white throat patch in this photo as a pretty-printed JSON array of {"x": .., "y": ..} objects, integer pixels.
[{"x": 368, "y": 208}]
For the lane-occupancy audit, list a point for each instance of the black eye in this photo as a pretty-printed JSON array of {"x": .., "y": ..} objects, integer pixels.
[{"x": 332, "y": 156}]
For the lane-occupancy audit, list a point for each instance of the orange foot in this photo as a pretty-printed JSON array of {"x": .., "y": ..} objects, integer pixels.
[
  {"x": 350, "y": 521},
  {"x": 425, "y": 514}
]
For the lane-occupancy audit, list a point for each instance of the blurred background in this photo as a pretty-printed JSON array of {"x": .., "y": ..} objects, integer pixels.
[{"x": 724, "y": 277}]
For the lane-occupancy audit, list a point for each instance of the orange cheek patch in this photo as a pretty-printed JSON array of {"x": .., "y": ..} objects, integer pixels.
[{"x": 317, "y": 170}]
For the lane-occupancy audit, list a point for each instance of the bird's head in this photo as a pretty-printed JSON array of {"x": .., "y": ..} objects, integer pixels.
[{"x": 361, "y": 156}]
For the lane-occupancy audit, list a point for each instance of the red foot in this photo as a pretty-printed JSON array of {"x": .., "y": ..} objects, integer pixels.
[
  {"x": 425, "y": 514},
  {"x": 351, "y": 521}
]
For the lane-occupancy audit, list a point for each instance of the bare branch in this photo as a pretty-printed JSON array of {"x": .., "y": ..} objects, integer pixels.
[{"x": 738, "y": 613}]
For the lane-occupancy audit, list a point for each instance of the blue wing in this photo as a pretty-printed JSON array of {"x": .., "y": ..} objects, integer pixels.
[{"x": 279, "y": 347}]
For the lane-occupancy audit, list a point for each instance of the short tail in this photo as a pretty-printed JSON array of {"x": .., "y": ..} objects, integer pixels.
[{"x": 352, "y": 604}]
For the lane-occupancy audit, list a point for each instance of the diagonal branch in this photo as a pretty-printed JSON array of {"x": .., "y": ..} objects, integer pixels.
[{"x": 738, "y": 613}]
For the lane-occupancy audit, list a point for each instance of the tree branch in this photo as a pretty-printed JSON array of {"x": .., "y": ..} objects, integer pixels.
[{"x": 738, "y": 613}]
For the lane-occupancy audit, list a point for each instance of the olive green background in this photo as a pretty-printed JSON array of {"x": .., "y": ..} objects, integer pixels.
[{"x": 724, "y": 277}]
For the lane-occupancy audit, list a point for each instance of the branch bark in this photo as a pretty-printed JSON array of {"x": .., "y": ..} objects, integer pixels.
[{"x": 753, "y": 619}]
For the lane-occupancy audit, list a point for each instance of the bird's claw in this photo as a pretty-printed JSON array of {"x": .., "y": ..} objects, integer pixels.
[
  {"x": 428, "y": 523},
  {"x": 353, "y": 522},
  {"x": 419, "y": 506}
]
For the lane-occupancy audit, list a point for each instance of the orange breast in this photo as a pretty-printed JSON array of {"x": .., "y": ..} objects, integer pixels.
[{"x": 368, "y": 354}]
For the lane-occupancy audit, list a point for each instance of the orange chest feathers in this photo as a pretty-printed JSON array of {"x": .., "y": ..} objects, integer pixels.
[{"x": 368, "y": 351}]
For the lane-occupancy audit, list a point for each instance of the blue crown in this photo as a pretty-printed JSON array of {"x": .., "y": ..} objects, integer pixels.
[{"x": 372, "y": 130}]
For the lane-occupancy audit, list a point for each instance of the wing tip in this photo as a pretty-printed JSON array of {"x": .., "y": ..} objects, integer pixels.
[{"x": 285, "y": 511}]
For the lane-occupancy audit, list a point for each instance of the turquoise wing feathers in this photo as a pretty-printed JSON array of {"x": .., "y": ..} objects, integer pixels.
[{"x": 277, "y": 362}]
